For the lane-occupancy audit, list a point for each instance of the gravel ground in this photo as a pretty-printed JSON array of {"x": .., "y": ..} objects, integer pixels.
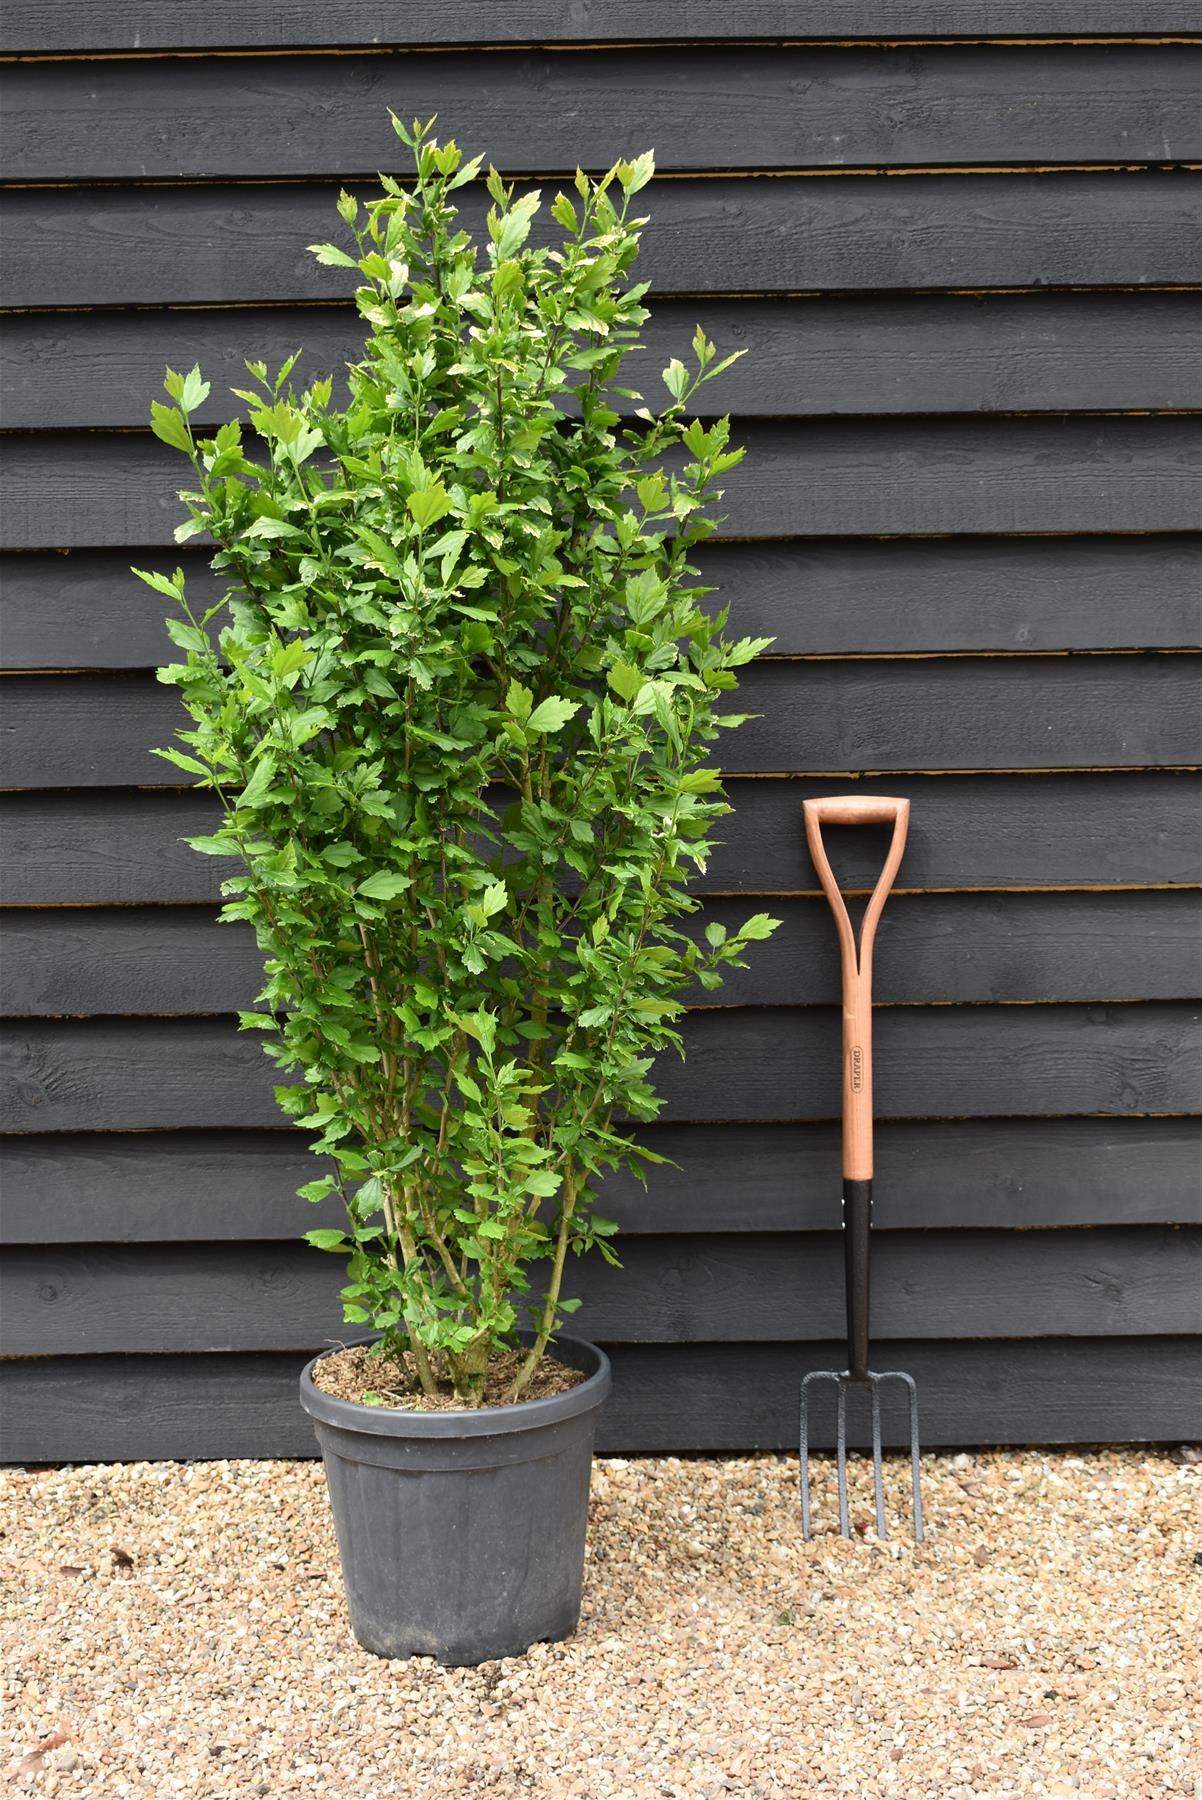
[{"x": 179, "y": 1630}]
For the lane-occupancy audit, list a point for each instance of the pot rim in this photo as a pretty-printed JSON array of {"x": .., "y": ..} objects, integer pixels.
[{"x": 480, "y": 1421}]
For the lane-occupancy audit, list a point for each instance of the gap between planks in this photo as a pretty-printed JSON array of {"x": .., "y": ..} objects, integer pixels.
[
  {"x": 807, "y": 420},
  {"x": 573, "y": 47},
  {"x": 16, "y": 1137},
  {"x": 874, "y": 171},
  {"x": 662, "y": 295},
  {"x": 18, "y": 1019},
  {"x": 806, "y": 656}
]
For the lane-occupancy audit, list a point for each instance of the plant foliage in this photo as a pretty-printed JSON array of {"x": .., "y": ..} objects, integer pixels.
[{"x": 458, "y": 703}]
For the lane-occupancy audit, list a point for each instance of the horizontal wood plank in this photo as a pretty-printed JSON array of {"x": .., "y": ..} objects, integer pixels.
[
  {"x": 814, "y": 597},
  {"x": 110, "y": 847},
  {"x": 932, "y": 948},
  {"x": 535, "y": 112},
  {"x": 213, "y": 244},
  {"x": 770, "y": 1064},
  {"x": 911, "y": 477},
  {"x": 49, "y": 26},
  {"x": 97, "y": 1299},
  {"x": 806, "y": 357},
  {"x": 963, "y": 1174},
  {"x": 667, "y": 1398},
  {"x": 955, "y": 713}
]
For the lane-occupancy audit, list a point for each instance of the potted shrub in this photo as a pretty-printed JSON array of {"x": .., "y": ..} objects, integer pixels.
[{"x": 458, "y": 706}]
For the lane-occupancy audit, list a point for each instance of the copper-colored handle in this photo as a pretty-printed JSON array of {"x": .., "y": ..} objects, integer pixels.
[{"x": 857, "y": 809}]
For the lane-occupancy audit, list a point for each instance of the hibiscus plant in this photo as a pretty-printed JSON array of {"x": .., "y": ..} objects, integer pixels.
[{"x": 459, "y": 704}]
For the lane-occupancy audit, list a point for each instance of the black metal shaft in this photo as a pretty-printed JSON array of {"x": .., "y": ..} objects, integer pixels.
[{"x": 857, "y": 1224}]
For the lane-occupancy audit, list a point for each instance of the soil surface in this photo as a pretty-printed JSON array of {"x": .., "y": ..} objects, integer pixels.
[
  {"x": 353, "y": 1374},
  {"x": 178, "y": 1632}
]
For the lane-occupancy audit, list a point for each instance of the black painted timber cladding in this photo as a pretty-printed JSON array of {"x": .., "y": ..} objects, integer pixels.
[{"x": 959, "y": 243}]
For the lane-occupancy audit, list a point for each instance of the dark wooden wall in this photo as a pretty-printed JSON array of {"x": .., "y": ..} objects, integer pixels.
[{"x": 961, "y": 254}]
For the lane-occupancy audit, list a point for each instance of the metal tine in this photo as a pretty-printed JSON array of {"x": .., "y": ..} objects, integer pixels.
[
  {"x": 814, "y": 1375},
  {"x": 878, "y": 1479},
  {"x": 915, "y": 1471},
  {"x": 841, "y": 1408}
]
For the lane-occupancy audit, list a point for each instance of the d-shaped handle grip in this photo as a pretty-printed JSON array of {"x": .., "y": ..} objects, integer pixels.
[{"x": 857, "y": 809}]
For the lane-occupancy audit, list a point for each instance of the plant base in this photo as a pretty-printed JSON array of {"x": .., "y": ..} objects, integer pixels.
[{"x": 461, "y": 1534}]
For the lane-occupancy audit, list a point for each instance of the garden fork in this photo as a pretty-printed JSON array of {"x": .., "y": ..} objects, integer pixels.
[{"x": 857, "y": 809}]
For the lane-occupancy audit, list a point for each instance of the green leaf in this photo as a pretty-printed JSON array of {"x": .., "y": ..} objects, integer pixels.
[
  {"x": 552, "y": 714},
  {"x": 332, "y": 256},
  {"x": 384, "y": 886},
  {"x": 564, "y": 213},
  {"x": 181, "y": 761},
  {"x": 676, "y": 379},
  {"x": 262, "y": 776},
  {"x": 643, "y": 170},
  {"x": 428, "y": 505},
  {"x": 494, "y": 899},
  {"x": 760, "y": 925},
  {"x": 272, "y": 528},
  {"x": 315, "y": 1191},
  {"x": 212, "y": 846},
  {"x": 625, "y": 680},
  {"x": 518, "y": 701},
  {"x": 543, "y": 1182},
  {"x": 327, "y": 1238},
  {"x": 195, "y": 390},
  {"x": 170, "y": 585},
  {"x": 507, "y": 279},
  {"x": 515, "y": 226},
  {"x": 168, "y": 423}
]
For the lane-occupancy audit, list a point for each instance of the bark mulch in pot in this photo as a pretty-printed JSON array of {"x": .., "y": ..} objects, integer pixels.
[
  {"x": 354, "y": 1373},
  {"x": 179, "y": 1630}
]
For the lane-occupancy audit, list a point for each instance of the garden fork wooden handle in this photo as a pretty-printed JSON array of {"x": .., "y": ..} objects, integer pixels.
[{"x": 857, "y": 809}]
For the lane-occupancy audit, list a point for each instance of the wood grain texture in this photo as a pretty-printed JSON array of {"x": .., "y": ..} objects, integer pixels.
[
  {"x": 955, "y": 713},
  {"x": 813, "y": 597},
  {"x": 110, "y": 847},
  {"x": 894, "y": 505},
  {"x": 209, "y": 244},
  {"x": 744, "y": 1065},
  {"x": 48, "y": 26},
  {"x": 671, "y": 1398},
  {"x": 537, "y": 113},
  {"x": 775, "y": 1288},
  {"x": 931, "y": 948},
  {"x": 910, "y": 477},
  {"x": 961, "y": 1174},
  {"x": 807, "y": 356}
]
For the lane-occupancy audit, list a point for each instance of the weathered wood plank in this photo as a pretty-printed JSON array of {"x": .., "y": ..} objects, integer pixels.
[
  {"x": 933, "y": 948},
  {"x": 951, "y": 713},
  {"x": 985, "y": 832},
  {"x": 964, "y": 1174},
  {"x": 210, "y": 245},
  {"x": 48, "y": 26},
  {"x": 861, "y": 478},
  {"x": 770, "y": 1064},
  {"x": 666, "y": 1398},
  {"x": 832, "y": 597},
  {"x": 188, "y": 118},
  {"x": 98, "y": 1299},
  {"x": 808, "y": 356}
]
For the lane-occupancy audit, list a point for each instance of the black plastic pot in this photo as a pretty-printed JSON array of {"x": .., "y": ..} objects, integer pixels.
[{"x": 462, "y": 1533}]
